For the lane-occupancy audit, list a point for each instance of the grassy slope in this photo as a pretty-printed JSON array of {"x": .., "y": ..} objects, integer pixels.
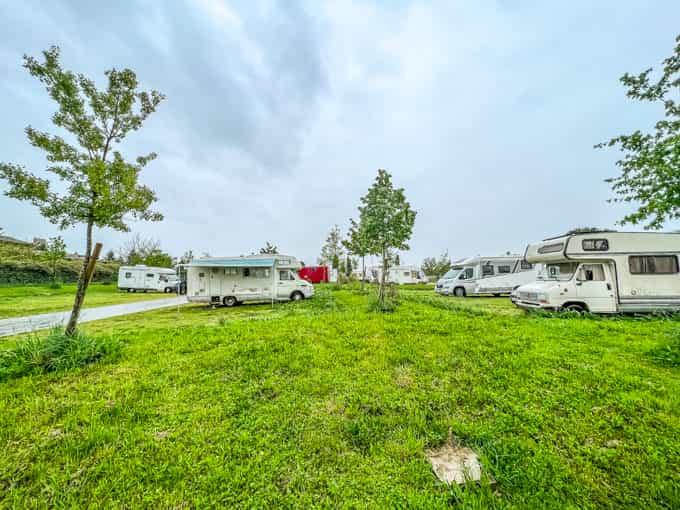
[
  {"x": 20, "y": 301},
  {"x": 322, "y": 403}
]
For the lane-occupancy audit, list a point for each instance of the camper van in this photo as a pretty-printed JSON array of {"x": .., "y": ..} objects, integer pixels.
[
  {"x": 401, "y": 275},
  {"x": 605, "y": 272},
  {"x": 486, "y": 275},
  {"x": 143, "y": 278},
  {"x": 233, "y": 280}
]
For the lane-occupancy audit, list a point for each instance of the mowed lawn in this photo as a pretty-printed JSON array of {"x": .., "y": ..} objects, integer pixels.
[
  {"x": 322, "y": 403},
  {"x": 20, "y": 301}
]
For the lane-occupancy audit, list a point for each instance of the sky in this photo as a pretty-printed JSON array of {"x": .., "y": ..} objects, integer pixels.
[{"x": 279, "y": 113}]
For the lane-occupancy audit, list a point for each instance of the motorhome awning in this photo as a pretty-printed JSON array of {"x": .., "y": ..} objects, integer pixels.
[{"x": 233, "y": 263}]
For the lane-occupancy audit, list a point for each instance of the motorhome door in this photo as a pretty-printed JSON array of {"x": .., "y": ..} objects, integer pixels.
[
  {"x": 595, "y": 286},
  {"x": 149, "y": 281},
  {"x": 286, "y": 284}
]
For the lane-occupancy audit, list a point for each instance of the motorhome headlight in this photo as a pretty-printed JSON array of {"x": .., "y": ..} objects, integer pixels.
[{"x": 543, "y": 298}]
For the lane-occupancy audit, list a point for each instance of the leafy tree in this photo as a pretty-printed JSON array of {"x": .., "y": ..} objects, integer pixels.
[
  {"x": 387, "y": 219},
  {"x": 101, "y": 188},
  {"x": 436, "y": 267},
  {"x": 270, "y": 249},
  {"x": 55, "y": 250},
  {"x": 158, "y": 258},
  {"x": 357, "y": 244},
  {"x": 650, "y": 167},
  {"x": 137, "y": 249},
  {"x": 110, "y": 256},
  {"x": 332, "y": 251}
]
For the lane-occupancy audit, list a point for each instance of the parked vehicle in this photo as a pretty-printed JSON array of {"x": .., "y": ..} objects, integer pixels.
[
  {"x": 141, "y": 278},
  {"x": 487, "y": 275},
  {"x": 315, "y": 274},
  {"x": 605, "y": 272},
  {"x": 233, "y": 280},
  {"x": 401, "y": 275}
]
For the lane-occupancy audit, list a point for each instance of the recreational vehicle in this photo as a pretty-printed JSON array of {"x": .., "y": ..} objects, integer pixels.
[
  {"x": 233, "y": 280},
  {"x": 487, "y": 275},
  {"x": 605, "y": 272},
  {"x": 141, "y": 278},
  {"x": 401, "y": 275}
]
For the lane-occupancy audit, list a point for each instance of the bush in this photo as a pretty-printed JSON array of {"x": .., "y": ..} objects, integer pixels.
[
  {"x": 390, "y": 302},
  {"x": 55, "y": 352},
  {"x": 55, "y": 285}
]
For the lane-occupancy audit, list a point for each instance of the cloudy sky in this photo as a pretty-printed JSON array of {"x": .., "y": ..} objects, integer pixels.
[{"x": 279, "y": 113}]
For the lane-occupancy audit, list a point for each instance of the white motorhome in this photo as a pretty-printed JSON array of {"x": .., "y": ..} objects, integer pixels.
[
  {"x": 233, "y": 280},
  {"x": 141, "y": 278},
  {"x": 486, "y": 275},
  {"x": 401, "y": 275},
  {"x": 605, "y": 272}
]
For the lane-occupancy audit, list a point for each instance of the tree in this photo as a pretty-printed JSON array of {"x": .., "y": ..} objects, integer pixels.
[
  {"x": 55, "y": 250},
  {"x": 158, "y": 258},
  {"x": 269, "y": 249},
  {"x": 650, "y": 167},
  {"x": 101, "y": 188},
  {"x": 137, "y": 249},
  {"x": 436, "y": 267},
  {"x": 110, "y": 256},
  {"x": 187, "y": 257},
  {"x": 356, "y": 243},
  {"x": 332, "y": 251},
  {"x": 387, "y": 218}
]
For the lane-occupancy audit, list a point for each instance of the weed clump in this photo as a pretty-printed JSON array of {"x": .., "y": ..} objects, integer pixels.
[
  {"x": 55, "y": 352},
  {"x": 668, "y": 354}
]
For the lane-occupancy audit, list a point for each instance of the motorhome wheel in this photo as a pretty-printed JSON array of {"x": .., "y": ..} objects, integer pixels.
[
  {"x": 574, "y": 307},
  {"x": 297, "y": 296},
  {"x": 459, "y": 292},
  {"x": 229, "y": 301}
]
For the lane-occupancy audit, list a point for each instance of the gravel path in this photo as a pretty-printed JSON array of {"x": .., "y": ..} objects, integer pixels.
[{"x": 17, "y": 325}]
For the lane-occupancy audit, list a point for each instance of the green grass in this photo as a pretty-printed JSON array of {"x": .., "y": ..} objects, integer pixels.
[
  {"x": 19, "y": 301},
  {"x": 322, "y": 403}
]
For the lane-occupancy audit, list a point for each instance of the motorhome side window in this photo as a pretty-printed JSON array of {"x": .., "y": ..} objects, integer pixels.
[
  {"x": 231, "y": 271},
  {"x": 504, "y": 269},
  {"x": 258, "y": 272},
  {"x": 128, "y": 275},
  {"x": 526, "y": 265},
  {"x": 551, "y": 248},
  {"x": 285, "y": 275},
  {"x": 653, "y": 264},
  {"x": 149, "y": 275},
  {"x": 595, "y": 245},
  {"x": 487, "y": 270},
  {"x": 466, "y": 274}
]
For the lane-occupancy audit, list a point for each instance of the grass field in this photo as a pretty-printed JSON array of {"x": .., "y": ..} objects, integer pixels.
[
  {"x": 321, "y": 403},
  {"x": 18, "y": 301}
]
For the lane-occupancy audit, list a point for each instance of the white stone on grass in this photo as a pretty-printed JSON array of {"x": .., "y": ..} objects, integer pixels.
[{"x": 454, "y": 464}]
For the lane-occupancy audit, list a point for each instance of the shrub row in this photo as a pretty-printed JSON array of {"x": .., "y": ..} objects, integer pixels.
[{"x": 36, "y": 272}]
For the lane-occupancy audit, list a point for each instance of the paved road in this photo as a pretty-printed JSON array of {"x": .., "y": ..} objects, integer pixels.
[{"x": 17, "y": 325}]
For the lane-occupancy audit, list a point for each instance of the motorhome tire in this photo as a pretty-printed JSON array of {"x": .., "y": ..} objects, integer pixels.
[
  {"x": 574, "y": 307},
  {"x": 129, "y": 290},
  {"x": 230, "y": 301},
  {"x": 297, "y": 296},
  {"x": 496, "y": 295},
  {"x": 459, "y": 292}
]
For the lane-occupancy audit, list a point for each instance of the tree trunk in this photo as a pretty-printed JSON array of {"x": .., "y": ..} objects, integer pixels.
[
  {"x": 363, "y": 271},
  {"x": 83, "y": 282},
  {"x": 381, "y": 291}
]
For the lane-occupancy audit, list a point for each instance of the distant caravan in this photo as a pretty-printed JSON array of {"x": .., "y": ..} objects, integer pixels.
[
  {"x": 605, "y": 272},
  {"x": 141, "y": 278},
  {"x": 486, "y": 276},
  {"x": 233, "y": 280},
  {"x": 401, "y": 275}
]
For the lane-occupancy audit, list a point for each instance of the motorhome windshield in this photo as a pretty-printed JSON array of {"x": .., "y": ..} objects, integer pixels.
[
  {"x": 452, "y": 273},
  {"x": 562, "y": 272}
]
